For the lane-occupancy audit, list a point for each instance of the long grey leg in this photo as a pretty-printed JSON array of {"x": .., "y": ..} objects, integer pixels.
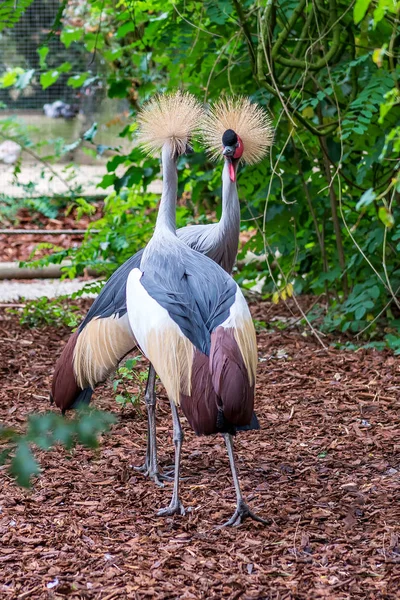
[
  {"x": 175, "y": 507},
  {"x": 150, "y": 467},
  {"x": 151, "y": 401},
  {"x": 242, "y": 511}
]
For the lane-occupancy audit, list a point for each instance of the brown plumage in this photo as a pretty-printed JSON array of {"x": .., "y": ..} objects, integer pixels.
[
  {"x": 88, "y": 359},
  {"x": 222, "y": 394},
  {"x": 201, "y": 409},
  {"x": 64, "y": 389}
]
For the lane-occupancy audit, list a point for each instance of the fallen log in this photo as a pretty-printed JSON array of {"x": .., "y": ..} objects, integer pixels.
[
  {"x": 46, "y": 231},
  {"x": 11, "y": 270}
]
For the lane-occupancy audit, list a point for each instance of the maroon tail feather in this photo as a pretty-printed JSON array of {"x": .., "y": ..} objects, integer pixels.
[
  {"x": 201, "y": 408},
  {"x": 64, "y": 389},
  {"x": 230, "y": 378},
  {"x": 222, "y": 397}
]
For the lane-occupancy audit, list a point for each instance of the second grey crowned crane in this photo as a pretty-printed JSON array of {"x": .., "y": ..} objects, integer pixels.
[{"x": 234, "y": 129}]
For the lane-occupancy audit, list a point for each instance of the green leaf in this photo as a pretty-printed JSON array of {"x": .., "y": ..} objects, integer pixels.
[
  {"x": 24, "y": 465},
  {"x": 11, "y": 12},
  {"x": 131, "y": 363},
  {"x": 366, "y": 199},
  {"x": 10, "y": 77},
  {"x": 360, "y": 9},
  {"x": 107, "y": 181},
  {"x": 43, "y": 52},
  {"x": 386, "y": 217},
  {"x": 374, "y": 292},
  {"x": 118, "y": 88},
  {"x": 65, "y": 67},
  {"x": 77, "y": 81},
  {"x": 114, "y": 162},
  {"x": 125, "y": 28},
  {"x": 360, "y": 312},
  {"x": 90, "y": 133},
  {"x": 71, "y": 146},
  {"x": 47, "y": 79},
  {"x": 101, "y": 148},
  {"x": 71, "y": 35},
  {"x": 24, "y": 79}
]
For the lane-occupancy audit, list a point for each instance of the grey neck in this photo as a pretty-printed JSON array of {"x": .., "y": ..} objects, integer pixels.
[
  {"x": 229, "y": 224},
  {"x": 166, "y": 219}
]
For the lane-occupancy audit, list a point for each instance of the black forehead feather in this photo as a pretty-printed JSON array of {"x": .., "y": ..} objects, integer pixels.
[{"x": 229, "y": 138}]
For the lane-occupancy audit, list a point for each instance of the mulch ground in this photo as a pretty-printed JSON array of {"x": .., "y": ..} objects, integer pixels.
[
  {"x": 324, "y": 469},
  {"x": 18, "y": 247}
]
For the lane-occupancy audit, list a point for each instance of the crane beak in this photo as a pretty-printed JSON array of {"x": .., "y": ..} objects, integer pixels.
[{"x": 229, "y": 151}]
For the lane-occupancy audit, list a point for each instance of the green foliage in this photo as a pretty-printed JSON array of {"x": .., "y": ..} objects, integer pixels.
[
  {"x": 45, "y": 312},
  {"x": 11, "y": 11},
  {"x": 327, "y": 214},
  {"x": 126, "y": 377},
  {"x": 48, "y": 206},
  {"x": 46, "y": 431},
  {"x": 355, "y": 312}
]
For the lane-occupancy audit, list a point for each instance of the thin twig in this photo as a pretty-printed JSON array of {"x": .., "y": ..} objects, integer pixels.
[{"x": 37, "y": 157}]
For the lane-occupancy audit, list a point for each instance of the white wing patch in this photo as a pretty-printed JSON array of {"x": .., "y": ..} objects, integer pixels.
[
  {"x": 160, "y": 338},
  {"x": 245, "y": 335},
  {"x": 100, "y": 347}
]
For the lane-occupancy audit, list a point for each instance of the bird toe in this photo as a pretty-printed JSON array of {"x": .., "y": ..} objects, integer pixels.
[
  {"x": 242, "y": 513},
  {"x": 175, "y": 508}
]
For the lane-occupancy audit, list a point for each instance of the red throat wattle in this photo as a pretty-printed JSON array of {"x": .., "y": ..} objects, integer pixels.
[
  {"x": 232, "y": 171},
  {"x": 236, "y": 157}
]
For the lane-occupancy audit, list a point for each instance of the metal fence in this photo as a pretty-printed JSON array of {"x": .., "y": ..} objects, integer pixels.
[
  {"x": 59, "y": 112},
  {"x": 19, "y": 48}
]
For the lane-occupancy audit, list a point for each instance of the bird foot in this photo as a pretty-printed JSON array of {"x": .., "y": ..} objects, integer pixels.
[
  {"x": 242, "y": 513},
  {"x": 175, "y": 508},
  {"x": 154, "y": 474},
  {"x": 143, "y": 468}
]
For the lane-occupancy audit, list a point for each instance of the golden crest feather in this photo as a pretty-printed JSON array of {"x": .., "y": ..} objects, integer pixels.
[
  {"x": 168, "y": 117},
  {"x": 250, "y": 121}
]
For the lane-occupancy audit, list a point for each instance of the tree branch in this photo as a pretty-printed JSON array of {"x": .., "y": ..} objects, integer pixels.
[
  {"x": 282, "y": 37},
  {"x": 247, "y": 34}
]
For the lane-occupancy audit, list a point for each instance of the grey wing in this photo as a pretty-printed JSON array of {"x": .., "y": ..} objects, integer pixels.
[
  {"x": 112, "y": 298},
  {"x": 211, "y": 241},
  {"x": 197, "y": 294},
  {"x": 202, "y": 238}
]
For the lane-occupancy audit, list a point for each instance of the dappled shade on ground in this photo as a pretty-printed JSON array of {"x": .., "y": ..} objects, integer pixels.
[{"x": 324, "y": 468}]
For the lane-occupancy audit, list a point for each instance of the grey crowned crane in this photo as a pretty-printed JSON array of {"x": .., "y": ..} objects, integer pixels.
[
  {"x": 246, "y": 134},
  {"x": 188, "y": 315}
]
